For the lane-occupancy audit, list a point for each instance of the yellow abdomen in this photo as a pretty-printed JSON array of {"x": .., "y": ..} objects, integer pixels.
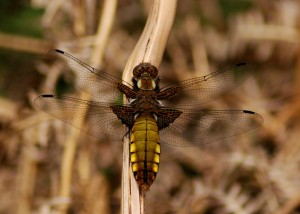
[{"x": 144, "y": 150}]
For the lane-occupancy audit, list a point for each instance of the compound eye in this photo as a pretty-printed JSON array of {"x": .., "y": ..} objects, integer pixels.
[{"x": 145, "y": 68}]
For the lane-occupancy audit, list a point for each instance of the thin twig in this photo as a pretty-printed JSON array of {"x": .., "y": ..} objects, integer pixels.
[
  {"x": 150, "y": 48},
  {"x": 25, "y": 44},
  {"x": 290, "y": 206},
  {"x": 267, "y": 32},
  {"x": 104, "y": 28}
]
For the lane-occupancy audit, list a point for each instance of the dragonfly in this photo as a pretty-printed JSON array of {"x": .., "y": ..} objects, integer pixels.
[{"x": 149, "y": 115}]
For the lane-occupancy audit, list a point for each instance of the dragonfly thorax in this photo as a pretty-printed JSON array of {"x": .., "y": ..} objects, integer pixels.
[
  {"x": 146, "y": 82},
  {"x": 146, "y": 102}
]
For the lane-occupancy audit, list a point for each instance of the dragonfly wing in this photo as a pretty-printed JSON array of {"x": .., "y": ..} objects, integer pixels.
[
  {"x": 94, "y": 118},
  {"x": 101, "y": 85},
  {"x": 200, "y": 90},
  {"x": 198, "y": 127}
]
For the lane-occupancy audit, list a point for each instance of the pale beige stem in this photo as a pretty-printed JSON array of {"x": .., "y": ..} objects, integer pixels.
[
  {"x": 267, "y": 32},
  {"x": 151, "y": 45},
  {"x": 27, "y": 171},
  {"x": 24, "y": 44},
  {"x": 290, "y": 206},
  {"x": 67, "y": 168},
  {"x": 104, "y": 28},
  {"x": 150, "y": 48}
]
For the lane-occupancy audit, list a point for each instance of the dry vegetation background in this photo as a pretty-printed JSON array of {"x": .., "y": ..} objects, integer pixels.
[{"x": 257, "y": 172}]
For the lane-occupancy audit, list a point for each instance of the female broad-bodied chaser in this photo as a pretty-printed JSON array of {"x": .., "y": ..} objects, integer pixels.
[{"x": 150, "y": 122}]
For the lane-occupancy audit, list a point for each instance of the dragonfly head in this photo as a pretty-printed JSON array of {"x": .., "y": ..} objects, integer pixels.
[{"x": 145, "y": 75}]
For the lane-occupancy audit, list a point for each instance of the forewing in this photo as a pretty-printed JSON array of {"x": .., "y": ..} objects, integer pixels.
[
  {"x": 198, "y": 127},
  {"x": 101, "y": 85},
  {"x": 94, "y": 118},
  {"x": 200, "y": 90}
]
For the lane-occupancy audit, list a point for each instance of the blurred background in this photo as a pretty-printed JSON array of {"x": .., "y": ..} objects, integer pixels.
[{"x": 257, "y": 172}]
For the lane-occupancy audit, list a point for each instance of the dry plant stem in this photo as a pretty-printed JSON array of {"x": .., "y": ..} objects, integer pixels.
[
  {"x": 67, "y": 168},
  {"x": 294, "y": 107},
  {"x": 79, "y": 28},
  {"x": 152, "y": 42},
  {"x": 150, "y": 48},
  {"x": 290, "y": 206},
  {"x": 50, "y": 12},
  {"x": 71, "y": 144},
  {"x": 194, "y": 31},
  {"x": 101, "y": 39},
  {"x": 104, "y": 28},
  {"x": 28, "y": 171},
  {"x": 267, "y": 32},
  {"x": 297, "y": 75},
  {"x": 25, "y": 44},
  {"x": 30, "y": 121}
]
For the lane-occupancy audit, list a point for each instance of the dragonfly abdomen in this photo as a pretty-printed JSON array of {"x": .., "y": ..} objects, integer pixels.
[{"x": 145, "y": 150}]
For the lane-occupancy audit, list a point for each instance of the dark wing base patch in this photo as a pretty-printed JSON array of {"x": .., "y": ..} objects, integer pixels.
[
  {"x": 166, "y": 116},
  {"x": 125, "y": 114}
]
